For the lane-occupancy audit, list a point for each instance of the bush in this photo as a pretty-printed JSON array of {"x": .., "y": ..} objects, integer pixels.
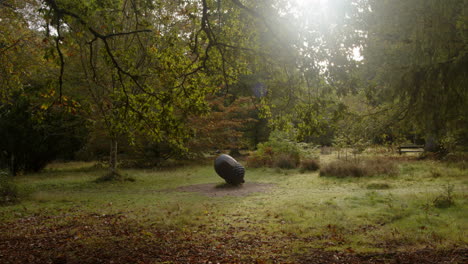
[
  {"x": 309, "y": 165},
  {"x": 279, "y": 151},
  {"x": 326, "y": 150},
  {"x": 457, "y": 159},
  {"x": 443, "y": 202},
  {"x": 380, "y": 166},
  {"x": 286, "y": 161},
  {"x": 446, "y": 199},
  {"x": 371, "y": 167},
  {"x": 255, "y": 161},
  {"x": 8, "y": 190}
]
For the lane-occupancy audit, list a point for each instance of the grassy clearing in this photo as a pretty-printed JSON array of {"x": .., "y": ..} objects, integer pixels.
[{"x": 303, "y": 211}]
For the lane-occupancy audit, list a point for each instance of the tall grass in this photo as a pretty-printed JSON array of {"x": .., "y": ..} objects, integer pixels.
[
  {"x": 367, "y": 167},
  {"x": 309, "y": 165}
]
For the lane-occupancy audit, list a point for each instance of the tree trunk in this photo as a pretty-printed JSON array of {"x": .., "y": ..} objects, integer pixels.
[
  {"x": 113, "y": 157},
  {"x": 432, "y": 143},
  {"x": 13, "y": 168}
]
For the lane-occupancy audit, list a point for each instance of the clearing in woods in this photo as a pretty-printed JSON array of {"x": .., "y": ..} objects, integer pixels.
[{"x": 187, "y": 215}]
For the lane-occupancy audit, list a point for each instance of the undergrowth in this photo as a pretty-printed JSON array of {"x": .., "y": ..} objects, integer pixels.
[
  {"x": 114, "y": 176},
  {"x": 8, "y": 190},
  {"x": 309, "y": 165},
  {"x": 367, "y": 167}
]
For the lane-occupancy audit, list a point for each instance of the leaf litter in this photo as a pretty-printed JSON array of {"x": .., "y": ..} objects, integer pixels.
[{"x": 78, "y": 237}]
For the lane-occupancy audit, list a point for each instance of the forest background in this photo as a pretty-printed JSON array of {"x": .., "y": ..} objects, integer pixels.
[
  {"x": 112, "y": 112},
  {"x": 152, "y": 81}
]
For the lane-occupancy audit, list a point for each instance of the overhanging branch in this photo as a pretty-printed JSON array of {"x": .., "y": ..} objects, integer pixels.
[{"x": 60, "y": 12}]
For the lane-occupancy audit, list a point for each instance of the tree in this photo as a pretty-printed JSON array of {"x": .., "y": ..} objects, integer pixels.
[
  {"x": 416, "y": 55},
  {"x": 223, "y": 127},
  {"x": 23, "y": 63},
  {"x": 34, "y": 136},
  {"x": 149, "y": 65},
  {"x": 310, "y": 64},
  {"x": 35, "y": 127}
]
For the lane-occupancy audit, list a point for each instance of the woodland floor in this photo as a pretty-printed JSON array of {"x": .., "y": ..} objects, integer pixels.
[
  {"x": 278, "y": 216},
  {"x": 116, "y": 239}
]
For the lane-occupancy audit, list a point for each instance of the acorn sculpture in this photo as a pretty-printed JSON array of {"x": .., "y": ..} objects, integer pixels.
[{"x": 229, "y": 169}]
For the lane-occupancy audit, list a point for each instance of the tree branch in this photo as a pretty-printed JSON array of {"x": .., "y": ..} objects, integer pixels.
[
  {"x": 258, "y": 15},
  {"x": 62, "y": 12}
]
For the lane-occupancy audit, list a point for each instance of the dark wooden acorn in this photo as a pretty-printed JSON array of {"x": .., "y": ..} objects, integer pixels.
[{"x": 229, "y": 169}]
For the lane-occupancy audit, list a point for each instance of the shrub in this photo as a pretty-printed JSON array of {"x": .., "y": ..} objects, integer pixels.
[
  {"x": 286, "y": 161},
  {"x": 279, "y": 151},
  {"x": 380, "y": 166},
  {"x": 326, "y": 150},
  {"x": 309, "y": 165},
  {"x": 457, "y": 159},
  {"x": 446, "y": 199},
  {"x": 8, "y": 190},
  {"x": 443, "y": 202},
  {"x": 255, "y": 161},
  {"x": 369, "y": 167}
]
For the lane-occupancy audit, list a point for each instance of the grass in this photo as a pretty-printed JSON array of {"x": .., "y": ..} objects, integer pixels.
[
  {"x": 367, "y": 167},
  {"x": 303, "y": 211}
]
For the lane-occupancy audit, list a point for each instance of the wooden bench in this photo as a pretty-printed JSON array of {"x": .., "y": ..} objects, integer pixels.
[{"x": 410, "y": 148}]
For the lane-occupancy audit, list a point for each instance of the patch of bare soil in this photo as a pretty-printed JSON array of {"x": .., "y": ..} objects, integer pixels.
[{"x": 219, "y": 190}]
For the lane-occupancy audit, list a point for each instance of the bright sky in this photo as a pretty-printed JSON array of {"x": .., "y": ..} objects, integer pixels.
[
  {"x": 307, "y": 5},
  {"x": 321, "y": 10}
]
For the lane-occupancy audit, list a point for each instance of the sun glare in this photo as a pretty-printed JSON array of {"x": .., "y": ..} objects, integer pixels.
[
  {"x": 321, "y": 14},
  {"x": 301, "y": 6}
]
